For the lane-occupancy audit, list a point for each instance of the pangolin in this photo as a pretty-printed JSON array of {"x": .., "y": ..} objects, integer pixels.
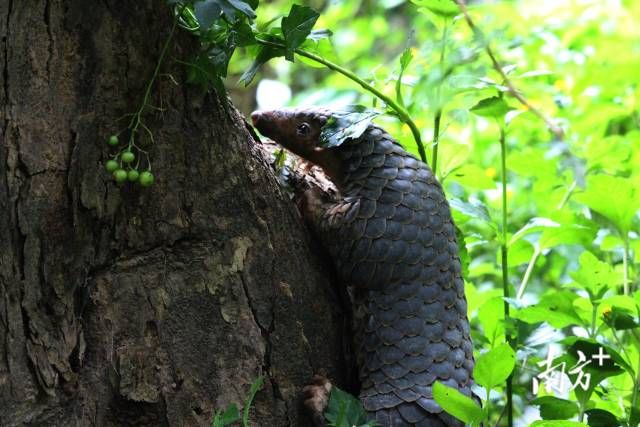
[{"x": 392, "y": 239}]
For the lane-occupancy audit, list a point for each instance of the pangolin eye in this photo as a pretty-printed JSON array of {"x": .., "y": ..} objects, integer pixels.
[{"x": 303, "y": 129}]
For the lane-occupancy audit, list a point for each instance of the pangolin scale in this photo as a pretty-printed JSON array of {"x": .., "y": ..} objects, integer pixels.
[{"x": 392, "y": 238}]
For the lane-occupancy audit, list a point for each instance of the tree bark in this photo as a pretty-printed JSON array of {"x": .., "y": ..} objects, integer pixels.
[{"x": 128, "y": 306}]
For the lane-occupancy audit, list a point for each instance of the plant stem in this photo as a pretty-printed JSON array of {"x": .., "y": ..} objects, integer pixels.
[
  {"x": 565, "y": 199},
  {"x": 505, "y": 273},
  {"x": 136, "y": 120},
  {"x": 438, "y": 116},
  {"x": 527, "y": 273},
  {"x": 556, "y": 130},
  {"x": 402, "y": 113},
  {"x": 436, "y": 140},
  {"x": 594, "y": 311},
  {"x": 625, "y": 264}
]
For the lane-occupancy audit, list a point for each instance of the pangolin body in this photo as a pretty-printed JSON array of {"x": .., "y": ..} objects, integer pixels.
[{"x": 391, "y": 237}]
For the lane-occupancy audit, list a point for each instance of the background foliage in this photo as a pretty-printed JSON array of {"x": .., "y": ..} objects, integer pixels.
[{"x": 564, "y": 254}]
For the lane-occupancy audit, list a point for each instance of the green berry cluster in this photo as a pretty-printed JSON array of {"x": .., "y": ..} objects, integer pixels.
[{"x": 125, "y": 159}]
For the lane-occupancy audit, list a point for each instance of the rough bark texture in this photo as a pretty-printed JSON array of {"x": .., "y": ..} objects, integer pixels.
[{"x": 129, "y": 306}]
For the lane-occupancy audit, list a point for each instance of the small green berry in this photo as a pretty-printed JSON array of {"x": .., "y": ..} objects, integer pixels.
[
  {"x": 146, "y": 179},
  {"x": 113, "y": 140},
  {"x": 111, "y": 165},
  {"x": 120, "y": 175},
  {"x": 128, "y": 157},
  {"x": 133, "y": 175}
]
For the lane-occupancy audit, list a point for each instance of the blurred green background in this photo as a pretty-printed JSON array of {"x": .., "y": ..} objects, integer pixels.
[{"x": 573, "y": 202}]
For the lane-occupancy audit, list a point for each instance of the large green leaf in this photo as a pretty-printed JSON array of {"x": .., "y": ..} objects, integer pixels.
[
  {"x": 553, "y": 408},
  {"x": 617, "y": 199},
  {"x": 297, "y": 26},
  {"x": 457, "y": 404},
  {"x": 493, "y": 367},
  {"x": 594, "y": 274},
  {"x": 344, "y": 410},
  {"x": 601, "y": 418},
  {"x": 555, "y": 308}
]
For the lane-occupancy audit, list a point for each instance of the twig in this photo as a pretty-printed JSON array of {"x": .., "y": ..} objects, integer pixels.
[
  {"x": 402, "y": 113},
  {"x": 556, "y": 130}
]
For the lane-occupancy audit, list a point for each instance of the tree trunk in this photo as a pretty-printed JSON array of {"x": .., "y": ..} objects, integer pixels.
[{"x": 128, "y": 306}]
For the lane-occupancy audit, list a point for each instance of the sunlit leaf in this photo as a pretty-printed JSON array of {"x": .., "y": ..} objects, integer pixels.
[
  {"x": 495, "y": 107},
  {"x": 555, "y": 308},
  {"x": 473, "y": 209},
  {"x": 457, "y": 404},
  {"x": 491, "y": 317},
  {"x": 613, "y": 197},
  {"x": 493, "y": 367},
  {"x": 444, "y": 8},
  {"x": 594, "y": 274}
]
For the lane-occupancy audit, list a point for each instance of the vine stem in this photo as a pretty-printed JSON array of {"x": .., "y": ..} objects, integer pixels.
[
  {"x": 556, "y": 130},
  {"x": 505, "y": 271},
  {"x": 136, "y": 120},
  {"x": 402, "y": 113}
]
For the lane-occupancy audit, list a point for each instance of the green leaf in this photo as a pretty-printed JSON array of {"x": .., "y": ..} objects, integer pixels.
[
  {"x": 566, "y": 234},
  {"x": 241, "y": 35},
  {"x": 297, "y": 26},
  {"x": 229, "y": 416},
  {"x": 594, "y": 274},
  {"x": 405, "y": 59},
  {"x": 457, "y": 404},
  {"x": 344, "y": 409},
  {"x": 463, "y": 252},
  {"x": 345, "y": 125},
  {"x": 265, "y": 53},
  {"x": 534, "y": 225},
  {"x": 620, "y": 319},
  {"x": 601, "y": 418},
  {"x": 491, "y": 317},
  {"x": 230, "y": 7},
  {"x": 553, "y": 408},
  {"x": 494, "y": 367},
  {"x": 612, "y": 197},
  {"x": 443, "y": 8},
  {"x": 207, "y": 13},
  {"x": 473, "y": 209},
  {"x": 255, "y": 387},
  {"x": 243, "y": 7},
  {"x": 491, "y": 107},
  {"x": 555, "y": 308},
  {"x": 599, "y": 369}
]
